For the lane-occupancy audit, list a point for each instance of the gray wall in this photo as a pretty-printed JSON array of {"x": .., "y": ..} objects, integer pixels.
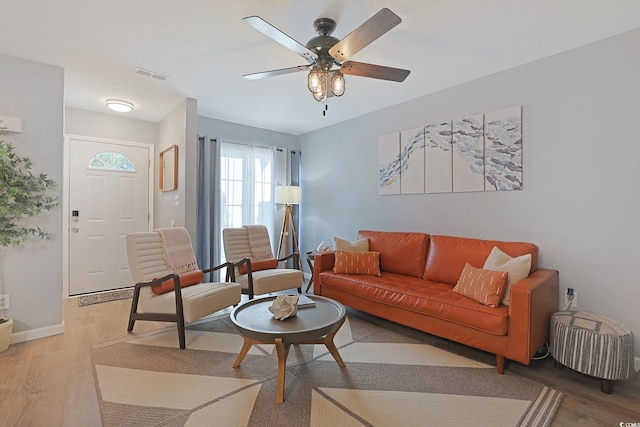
[
  {"x": 581, "y": 151},
  {"x": 32, "y": 273},
  {"x": 214, "y": 128},
  {"x": 173, "y": 130},
  {"x": 108, "y": 126}
]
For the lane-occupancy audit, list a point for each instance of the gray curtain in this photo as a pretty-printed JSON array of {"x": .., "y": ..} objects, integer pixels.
[{"x": 207, "y": 222}]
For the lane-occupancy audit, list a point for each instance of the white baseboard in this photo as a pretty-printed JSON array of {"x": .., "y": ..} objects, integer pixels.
[{"x": 34, "y": 334}]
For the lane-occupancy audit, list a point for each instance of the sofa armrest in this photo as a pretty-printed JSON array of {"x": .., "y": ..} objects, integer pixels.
[
  {"x": 323, "y": 261},
  {"x": 533, "y": 301}
]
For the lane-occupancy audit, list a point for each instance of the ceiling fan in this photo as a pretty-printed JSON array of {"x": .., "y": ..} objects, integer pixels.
[{"x": 327, "y": 57}]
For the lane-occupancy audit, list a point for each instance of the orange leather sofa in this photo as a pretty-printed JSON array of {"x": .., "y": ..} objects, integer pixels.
[{"x": 418, "y": 273}]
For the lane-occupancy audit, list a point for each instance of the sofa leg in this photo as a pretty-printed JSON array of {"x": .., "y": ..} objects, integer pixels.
[{"x": 500, "y": 363}]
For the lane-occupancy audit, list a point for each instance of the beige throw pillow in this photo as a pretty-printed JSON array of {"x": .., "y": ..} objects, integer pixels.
[
  {"x": 361, "y": 245},
  {"x": 518, "y": 268}
]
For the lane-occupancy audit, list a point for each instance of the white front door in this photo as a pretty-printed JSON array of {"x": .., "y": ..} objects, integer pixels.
[{"x": 108, "y": 198}]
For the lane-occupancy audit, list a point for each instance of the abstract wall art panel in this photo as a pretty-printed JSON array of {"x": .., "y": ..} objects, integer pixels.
[
  {"x": 439, "y": 158},
  {"x": 476, "y": 153},
  {"x": 503, "y": 149},
  {"x": 412, "y": 166},
  {"x": 468, "y": 154},
  {"x": 389, "y": 164}
]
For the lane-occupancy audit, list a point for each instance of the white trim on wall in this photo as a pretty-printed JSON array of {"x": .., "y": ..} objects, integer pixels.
[{"x": 34, "y": 334}]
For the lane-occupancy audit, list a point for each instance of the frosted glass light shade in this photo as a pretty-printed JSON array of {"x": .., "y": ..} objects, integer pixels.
[
  {"x": 119, "y": 105},
  {"x": 288, "y": 194},
  {"x": 337, "y": 84}
]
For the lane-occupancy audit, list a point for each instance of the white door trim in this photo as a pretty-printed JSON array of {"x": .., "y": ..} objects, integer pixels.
[{"x": 65, "y": 195}]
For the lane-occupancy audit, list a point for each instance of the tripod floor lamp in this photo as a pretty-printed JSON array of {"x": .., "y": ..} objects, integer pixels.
[{"x": 288, "y": 195}]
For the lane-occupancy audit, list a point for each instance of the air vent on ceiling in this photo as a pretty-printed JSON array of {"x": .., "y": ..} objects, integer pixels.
[{"x": 150, "y": 74}]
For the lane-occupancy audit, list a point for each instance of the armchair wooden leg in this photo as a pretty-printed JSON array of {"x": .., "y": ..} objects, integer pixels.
[
  {"x": 134, "y": 309},
  {"x": 181, "y": 332}
]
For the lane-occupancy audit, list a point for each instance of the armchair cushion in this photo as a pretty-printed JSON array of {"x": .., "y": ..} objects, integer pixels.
[
  {"x": 188, "y": 278},
  {"x": 198, "y": 301},
  {"x": 272, "y": 280},
  {"x": 259, "y": 265}
]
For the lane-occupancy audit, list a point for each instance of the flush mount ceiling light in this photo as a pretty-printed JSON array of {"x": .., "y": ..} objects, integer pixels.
[
  {"x": 327, "y": 56},
  {"x": 119, "y": 105}
]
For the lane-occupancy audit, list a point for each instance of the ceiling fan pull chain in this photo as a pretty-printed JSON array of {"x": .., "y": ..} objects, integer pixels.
[{"x": 326, "y": 107}]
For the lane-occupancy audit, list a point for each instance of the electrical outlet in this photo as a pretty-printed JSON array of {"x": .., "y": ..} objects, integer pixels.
[
  {"x": 574, "y": 303},
  {"x": 4, "y": 301}
]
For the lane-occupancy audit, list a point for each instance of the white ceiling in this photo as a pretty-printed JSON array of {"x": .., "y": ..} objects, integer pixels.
[{"x": 204, "y": 47}]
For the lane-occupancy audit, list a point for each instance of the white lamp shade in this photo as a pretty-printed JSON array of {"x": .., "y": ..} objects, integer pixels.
[{"x": 288, "y": 194}]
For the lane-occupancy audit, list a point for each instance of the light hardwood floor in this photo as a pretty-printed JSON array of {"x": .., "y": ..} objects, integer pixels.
[{"x": 49, "y": 382}]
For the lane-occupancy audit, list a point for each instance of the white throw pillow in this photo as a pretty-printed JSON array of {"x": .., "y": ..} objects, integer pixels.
[
  {"x": 361, "y": 245},
  {"x": 518, "y": 268}
]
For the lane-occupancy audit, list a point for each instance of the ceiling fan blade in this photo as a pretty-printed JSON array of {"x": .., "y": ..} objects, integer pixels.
[
  {"x": 272, "y": 32},
  {"x": 263, "y": 74},
  {"x": 366, "y": 33},
  {"x": 374, "y": 71}
]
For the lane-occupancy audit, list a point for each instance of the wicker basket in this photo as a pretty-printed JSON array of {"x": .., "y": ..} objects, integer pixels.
[{"x": 5, "y": 334}]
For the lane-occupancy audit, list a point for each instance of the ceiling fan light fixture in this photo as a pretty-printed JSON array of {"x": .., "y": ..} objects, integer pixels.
[
  {"x": 316, "y": 79},
  {"x": 119, "y": 105},
  {"x": 325, "y": 52},
  {"x": 338, "y": 84},
  {"x": 321, "y": 94}
]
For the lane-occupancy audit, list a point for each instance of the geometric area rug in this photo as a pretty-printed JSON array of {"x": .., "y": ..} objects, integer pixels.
[{"x": 391, "y": 378}]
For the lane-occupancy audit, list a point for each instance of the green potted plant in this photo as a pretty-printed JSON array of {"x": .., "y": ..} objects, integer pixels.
[{"x": 22, "y": 195}]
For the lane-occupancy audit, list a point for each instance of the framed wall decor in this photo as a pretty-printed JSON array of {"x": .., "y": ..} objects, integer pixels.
[{"x": 168, "y": 172}]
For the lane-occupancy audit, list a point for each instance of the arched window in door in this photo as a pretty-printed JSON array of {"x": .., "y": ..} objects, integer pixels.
[{"x": 111, "y": 160}]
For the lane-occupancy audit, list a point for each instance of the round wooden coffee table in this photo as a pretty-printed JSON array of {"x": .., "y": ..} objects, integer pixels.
[{"x": 312, "y": 325}]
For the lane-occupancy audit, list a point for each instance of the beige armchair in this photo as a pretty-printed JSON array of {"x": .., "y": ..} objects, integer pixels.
[
  {"x": 161, "y": 294},
  {"x": 254, "y": 266}
]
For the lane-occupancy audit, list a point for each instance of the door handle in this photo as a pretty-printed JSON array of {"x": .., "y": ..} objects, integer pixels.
[{"x": 75, "y": 217}]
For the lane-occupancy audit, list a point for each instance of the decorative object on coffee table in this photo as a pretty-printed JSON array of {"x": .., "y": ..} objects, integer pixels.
[
  {"x": 284, "y": 306},
  {"x": 314, "y": 325},
  {"x": 592, "y": 344}
]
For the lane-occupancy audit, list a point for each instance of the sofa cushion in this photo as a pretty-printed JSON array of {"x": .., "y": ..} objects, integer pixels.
[
  {"x": 361, "y": 245},
  {"x": 357, "y": 263},
  {"x": 421, "y": 296},
  {"x": 447, "y": 255},
  {"x": 400, "y": 252},
  {"x": 484, "y": 286},
  {"x": 517, "y": 268}
]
